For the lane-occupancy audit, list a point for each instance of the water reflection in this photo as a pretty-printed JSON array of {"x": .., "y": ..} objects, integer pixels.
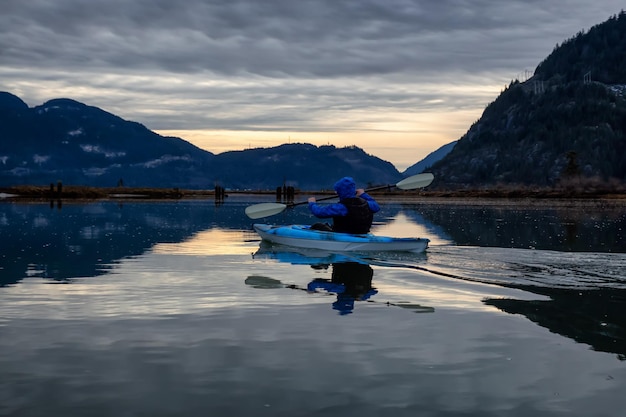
[
  {"x": 410, "y": 223},
  {"x": 79, "y": 239},
  {"x": 215, "y": 241},
  {"x": 176, "y": 330},
  {"x": 594, "y": 317},
  {"x": 350, "y": 279},
  {"x": 86, "y": 240},
  {"x": 563, "y": 226},
  {"x": 582, "y": 296},
  {"x": 350, "y": 282}
]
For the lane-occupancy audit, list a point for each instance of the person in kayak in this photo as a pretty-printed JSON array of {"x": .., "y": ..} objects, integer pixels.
[{"x": 353, "y": 213}]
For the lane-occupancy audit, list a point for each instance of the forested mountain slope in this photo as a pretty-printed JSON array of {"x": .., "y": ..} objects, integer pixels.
[{"x": 569, "y": 119}]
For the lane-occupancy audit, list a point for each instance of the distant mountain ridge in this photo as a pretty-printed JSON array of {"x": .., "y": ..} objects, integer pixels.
[
  {"x": 430, "y": 160},
  {"x": 65, "y": 140},
  {"x": 304, "y": 166}
]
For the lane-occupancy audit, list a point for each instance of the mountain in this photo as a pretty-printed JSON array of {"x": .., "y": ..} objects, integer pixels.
[
  {"x": 64, "y": 140},
  {"x": 303, "y": 166},
  {"x": 568, "y": 120},
  {"x": 11, "y": 103},
  {"x": 68, "y": 141},
  {"x": 430, "y": 160}
]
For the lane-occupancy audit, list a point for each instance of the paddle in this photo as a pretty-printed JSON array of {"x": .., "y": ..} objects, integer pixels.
[{"x": 269, "y": 209}]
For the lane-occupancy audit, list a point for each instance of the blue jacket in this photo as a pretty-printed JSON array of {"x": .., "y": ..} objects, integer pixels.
[{"x": 345, "y": 188}]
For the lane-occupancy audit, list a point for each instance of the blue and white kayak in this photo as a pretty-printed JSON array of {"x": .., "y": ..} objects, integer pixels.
[{"x": 302, "y": 236}]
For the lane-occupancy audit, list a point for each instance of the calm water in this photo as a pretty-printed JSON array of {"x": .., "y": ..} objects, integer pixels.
[{"x": 177, "y": 309}]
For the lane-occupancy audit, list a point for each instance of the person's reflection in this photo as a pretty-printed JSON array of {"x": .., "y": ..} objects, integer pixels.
[{"x": 351, "y": 281}]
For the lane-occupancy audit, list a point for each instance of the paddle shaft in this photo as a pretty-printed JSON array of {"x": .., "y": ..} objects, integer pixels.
[{"x": 382, "y": 187}]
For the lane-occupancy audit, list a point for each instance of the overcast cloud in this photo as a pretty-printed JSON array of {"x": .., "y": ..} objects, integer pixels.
[{"x": 373, "y": 69}]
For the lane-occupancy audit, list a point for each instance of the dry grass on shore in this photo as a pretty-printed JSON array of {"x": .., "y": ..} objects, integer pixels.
[
  {"x": 30, "y": 192},
  {"x": 33, "y": 192}
]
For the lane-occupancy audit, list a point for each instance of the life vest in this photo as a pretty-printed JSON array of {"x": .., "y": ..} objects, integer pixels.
[{"x": 359, "y": 218}]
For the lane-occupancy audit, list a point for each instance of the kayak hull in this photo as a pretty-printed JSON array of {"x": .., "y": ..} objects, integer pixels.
[{"x": 304, "y": 237}]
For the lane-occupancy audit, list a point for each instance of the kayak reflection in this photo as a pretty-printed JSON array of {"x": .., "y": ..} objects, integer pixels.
[{"x": 350, "y": 281}]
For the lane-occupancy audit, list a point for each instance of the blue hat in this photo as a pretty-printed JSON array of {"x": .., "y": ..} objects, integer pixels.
[{"x": 345, "y": 187}]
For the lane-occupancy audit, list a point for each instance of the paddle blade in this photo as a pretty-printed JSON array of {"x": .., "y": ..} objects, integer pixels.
[
  {"x": 264, "y": 210},
  {"x": 258, "y": 281},
  {"x": 416, "y": 181}
]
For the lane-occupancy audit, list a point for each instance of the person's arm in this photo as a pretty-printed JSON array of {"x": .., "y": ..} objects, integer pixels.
[
  {"x": 370, "y": 201},
  {"x": 325, "y": 211}
]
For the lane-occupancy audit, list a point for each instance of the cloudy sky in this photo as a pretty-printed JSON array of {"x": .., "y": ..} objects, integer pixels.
[{"x": 398, "y": 78}]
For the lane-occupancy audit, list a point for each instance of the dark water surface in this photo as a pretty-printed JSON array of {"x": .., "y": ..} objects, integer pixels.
[{"x": 177, "y": 309}]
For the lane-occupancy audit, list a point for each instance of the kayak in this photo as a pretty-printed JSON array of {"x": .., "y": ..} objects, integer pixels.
[{"x": 303, "y": 236}]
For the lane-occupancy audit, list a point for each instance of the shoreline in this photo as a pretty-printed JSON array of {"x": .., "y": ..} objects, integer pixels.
[{"x": 490, "y": 197}]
